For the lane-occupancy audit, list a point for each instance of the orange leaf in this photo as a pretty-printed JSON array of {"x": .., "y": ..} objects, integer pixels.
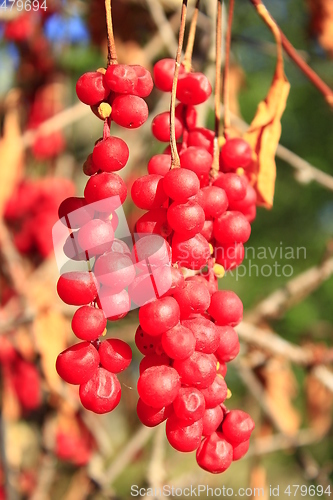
[{"x": 265, "y": 130}]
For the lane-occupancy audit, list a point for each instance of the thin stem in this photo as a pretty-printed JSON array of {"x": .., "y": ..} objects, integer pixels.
[
  {"x": 112, "y": 54},
  {"x": 175, "y": 161},
  {"x": 187, "y": 62},
  {"x": 303, "y": 66},
  {"x": 226, "y": 90},
  {"x": 217, "y": 97}
]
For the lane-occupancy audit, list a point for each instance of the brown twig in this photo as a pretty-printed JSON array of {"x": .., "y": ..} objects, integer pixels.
[
  {"x": 187, "y": 62},
  {"x": 303, "y": 66},
  {"x": 226, "y": 70},
  {"x": 175, "y": 161},
  {"x": 112, "y": 53}
]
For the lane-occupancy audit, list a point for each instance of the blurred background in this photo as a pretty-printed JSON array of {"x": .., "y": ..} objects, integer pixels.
[{"x": 51, "y": 448}]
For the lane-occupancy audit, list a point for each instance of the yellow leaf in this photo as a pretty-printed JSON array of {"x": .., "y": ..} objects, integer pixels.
[
  {"x": 265, "y": 130},
  {"x": 50, "y": 331},
  {"x": 11, "y": 151}
]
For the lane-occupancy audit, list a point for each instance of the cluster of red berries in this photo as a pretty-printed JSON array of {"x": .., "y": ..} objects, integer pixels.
[{"x": 115, "y": 95}]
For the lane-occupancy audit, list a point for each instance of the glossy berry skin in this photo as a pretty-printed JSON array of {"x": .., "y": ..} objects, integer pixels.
[
  {"x": 89, "y": 168},
  {"x": 152, "y": 248},
  {"x": 239, "y": 450},
  {"x": 193, "y": 88},
  {"x": 129, "y": 111},
  {"x": 216, "y": 393},
  {"x": 151, "y": 417},
  {"x": 230, "y": 256},
  {"x": 178, "y": 342},
  {"x": 154, "y": 222},
  {"x": 77, "y": 288},
  {"x": 192, "y": 253},
  {"x": 110, "y": 154},
  {"x": 199, "y": 370},
  {"x": 207, "y": 230},
  {"x": 154, "y": 360},
  {"x": 88, "y": 323},
  {"x": 237, "y": 426},
  {"x": 229, "y": 344},
  {"x": 213, "y": 200},
  {"x": 189, "y": 405},
  {"x": 145, "y": 343},
  {"x": 186, "y": 218},
  {"x": 205, "y": 332},
  {"x": 148, "y": 193},
  {"x": 107, "y": 188},
  {"x": 78, "y": 363},
  {"x": 101, "y": 394},
  {"x": 226, "y": 308},
  {"x": 183, "y": 436},
  {"x": 158, "y": 386},
  {"x": 162, "y": 282},
  {"x": 163, "y": 74},
  {"x": 201, "y": 137},
  {"x": 180, "y": 184},
  {"x": 234, "y": 186},
  {"x": 198, "y": 160},
  {"x": 246, "y": 202},
  {"x": 235, "y": 153},
  {"x": 95, "y": 237},
  {"x": 215, "y": 454},
  {"x": 144, "y": 84},
  {"x": 121, "y": 78},
  {"x": 193, "y": 298},
  {"x": 91, "y": 88},
  {"x": 159, "y": 316},
  {"x": 211, "y": 420},
  {"x": 114, "y": 305},
  {"x": 74, "y": 213},
  {"x": 231, "y": 227},
  {"x": 187, "y": 115},
  {"x": 114, "y": 270},
  {"x": 115, "y": 355},
  {"x": 159, "y": 164},
  {"x": 160, "y": 127}
]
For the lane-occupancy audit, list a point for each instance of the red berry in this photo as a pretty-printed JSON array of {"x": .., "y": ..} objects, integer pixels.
[
  {"x": 114, "y": 305},
  {"x": 178, "y": 342},
  {"x": 108, "y": 189},
  {"x": 88, "y": 323},
  {"x": 207, "y": 230},
  {"x": 187, "y": 115},
  {"x": 72, "y": 249},
  {"x": 199, "y": 161},
  {"x": 101, "y": 393},
  {"x": 158, "y": 386},
  {"x": 115, "y": 355},
  {"x": 159, "y": 316},
  {"x": 235, "y": 153},
  {"x": 205, "y": 332},
  {"x": 129, "y": 111},
  {"x": 159, "y": 164},
  {"x": 91, "y": 88},
  {"x": 201, "y": 138},
  {"x": 230, "y": 256},
  {"x": 193, "y": 88},
  {"x": 154, "y": 221},
  {"x": 78, "y": 363},
  {"x": 237, "y": 426},
  {"x": 160, "y": 127},
  {"x": 211, "y": 420},
  {"x": 182, "y": 436},
  {"x": 192, "y": 253},
  {"x": 110, "y": 154},
  {"x": 164, "y": 72},
  {"x": 74, "y": 213},
  {"x": 151, "y": 417},
  {"x": 229, "y": 344},
  {"x": 148, "y": 193},
  {"x": 193, "y": 298},
  {"x": 89, "y": 167},
  {"x": 189, "y": 405},
  {"x": 151, "y": 252},
  {"x": 231, "y": 227},
  {"x": 234, "y": 186},
  {"x": 245, "y": 203},
  {"x": 199, "y": 370},
  {"x": 215, "y": 393},
  {"x": 114, "y": 270},
  {"x": 180, "y": 184},
  {"x": 95, "y": 237},
  {"x": 226, "y": 308},
  {"x": 215, "y": 454},
  {"x": 186, "y": 218},
  {"x": 145, "y": 343},
  {"x": 154, "y": 360},
  {"x": 77, "y": 288},
  {"x": 240, "y": 450},
  {"x": 213, "y": 200},
  {"x": 144, "y": 84},
  {"x": 121, "y": 78}
]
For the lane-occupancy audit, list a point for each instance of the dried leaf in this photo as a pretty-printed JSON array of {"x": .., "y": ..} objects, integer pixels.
[
  {"x": 50, "y": 332},
  {"x": 265, "y": 130},
  {"x": 11, "y": 151},
  {"x": 321, "y": 24},
  {"x": 319, "y": 405}
]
